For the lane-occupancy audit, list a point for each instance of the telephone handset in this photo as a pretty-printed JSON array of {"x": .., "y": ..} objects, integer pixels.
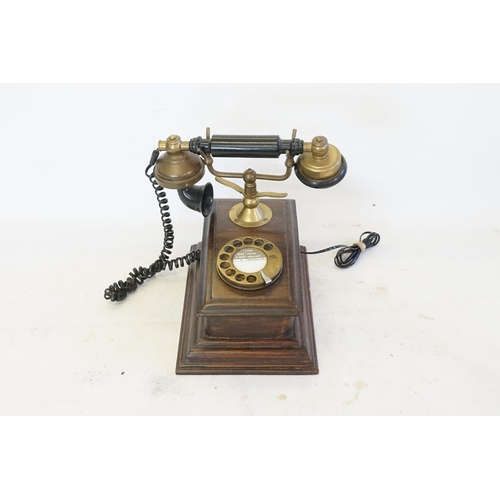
[{"x": 247, "y": 303}]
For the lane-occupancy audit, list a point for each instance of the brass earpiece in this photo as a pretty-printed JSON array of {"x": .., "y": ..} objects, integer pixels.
[
  {"x": 177, "y": 168},
  {"x": 180, "y": 169}
]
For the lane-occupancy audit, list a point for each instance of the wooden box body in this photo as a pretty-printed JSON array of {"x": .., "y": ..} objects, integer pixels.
[{"x": 229, "y": 331}]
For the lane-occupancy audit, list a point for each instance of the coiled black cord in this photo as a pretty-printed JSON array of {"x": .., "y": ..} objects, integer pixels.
[
  {"x": 118, "y": 291},
  {"x": 348, "y": 255}
]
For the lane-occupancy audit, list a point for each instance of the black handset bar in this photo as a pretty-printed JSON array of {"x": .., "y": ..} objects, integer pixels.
[{"x": 246, "y": 146}]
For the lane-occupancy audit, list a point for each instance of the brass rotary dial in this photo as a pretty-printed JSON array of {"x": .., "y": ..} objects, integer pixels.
[{"x": 249, "y": 263}]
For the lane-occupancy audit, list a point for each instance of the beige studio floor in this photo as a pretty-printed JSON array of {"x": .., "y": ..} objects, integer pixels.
[{"x": 412, "y": 329}]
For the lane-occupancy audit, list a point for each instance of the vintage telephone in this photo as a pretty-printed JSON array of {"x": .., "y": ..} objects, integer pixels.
[{"x": 247, "y": 307}]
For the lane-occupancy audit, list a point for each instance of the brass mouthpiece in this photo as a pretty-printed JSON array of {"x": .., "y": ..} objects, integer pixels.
[{"x": 321, "y": 165}]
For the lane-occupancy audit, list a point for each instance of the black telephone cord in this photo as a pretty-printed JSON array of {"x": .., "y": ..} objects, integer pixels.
[
  {"x": 118, "y": 291},
  {"x": 348, "y": 255}
]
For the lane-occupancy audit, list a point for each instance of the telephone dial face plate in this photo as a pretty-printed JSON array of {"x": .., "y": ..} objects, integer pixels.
[{"x": 249, "y": 263}]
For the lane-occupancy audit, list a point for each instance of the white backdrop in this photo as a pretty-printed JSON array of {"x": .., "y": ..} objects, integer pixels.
[{"x": 411, "y": 329}]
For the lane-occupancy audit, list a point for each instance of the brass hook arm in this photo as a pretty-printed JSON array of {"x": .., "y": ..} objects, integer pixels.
[
  {"x": 209, "y": 161},
  {"x": 230, "y": 184}
]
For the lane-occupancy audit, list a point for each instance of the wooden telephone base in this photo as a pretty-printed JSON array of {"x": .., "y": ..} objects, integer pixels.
[{"x": 230, "y": 331}]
